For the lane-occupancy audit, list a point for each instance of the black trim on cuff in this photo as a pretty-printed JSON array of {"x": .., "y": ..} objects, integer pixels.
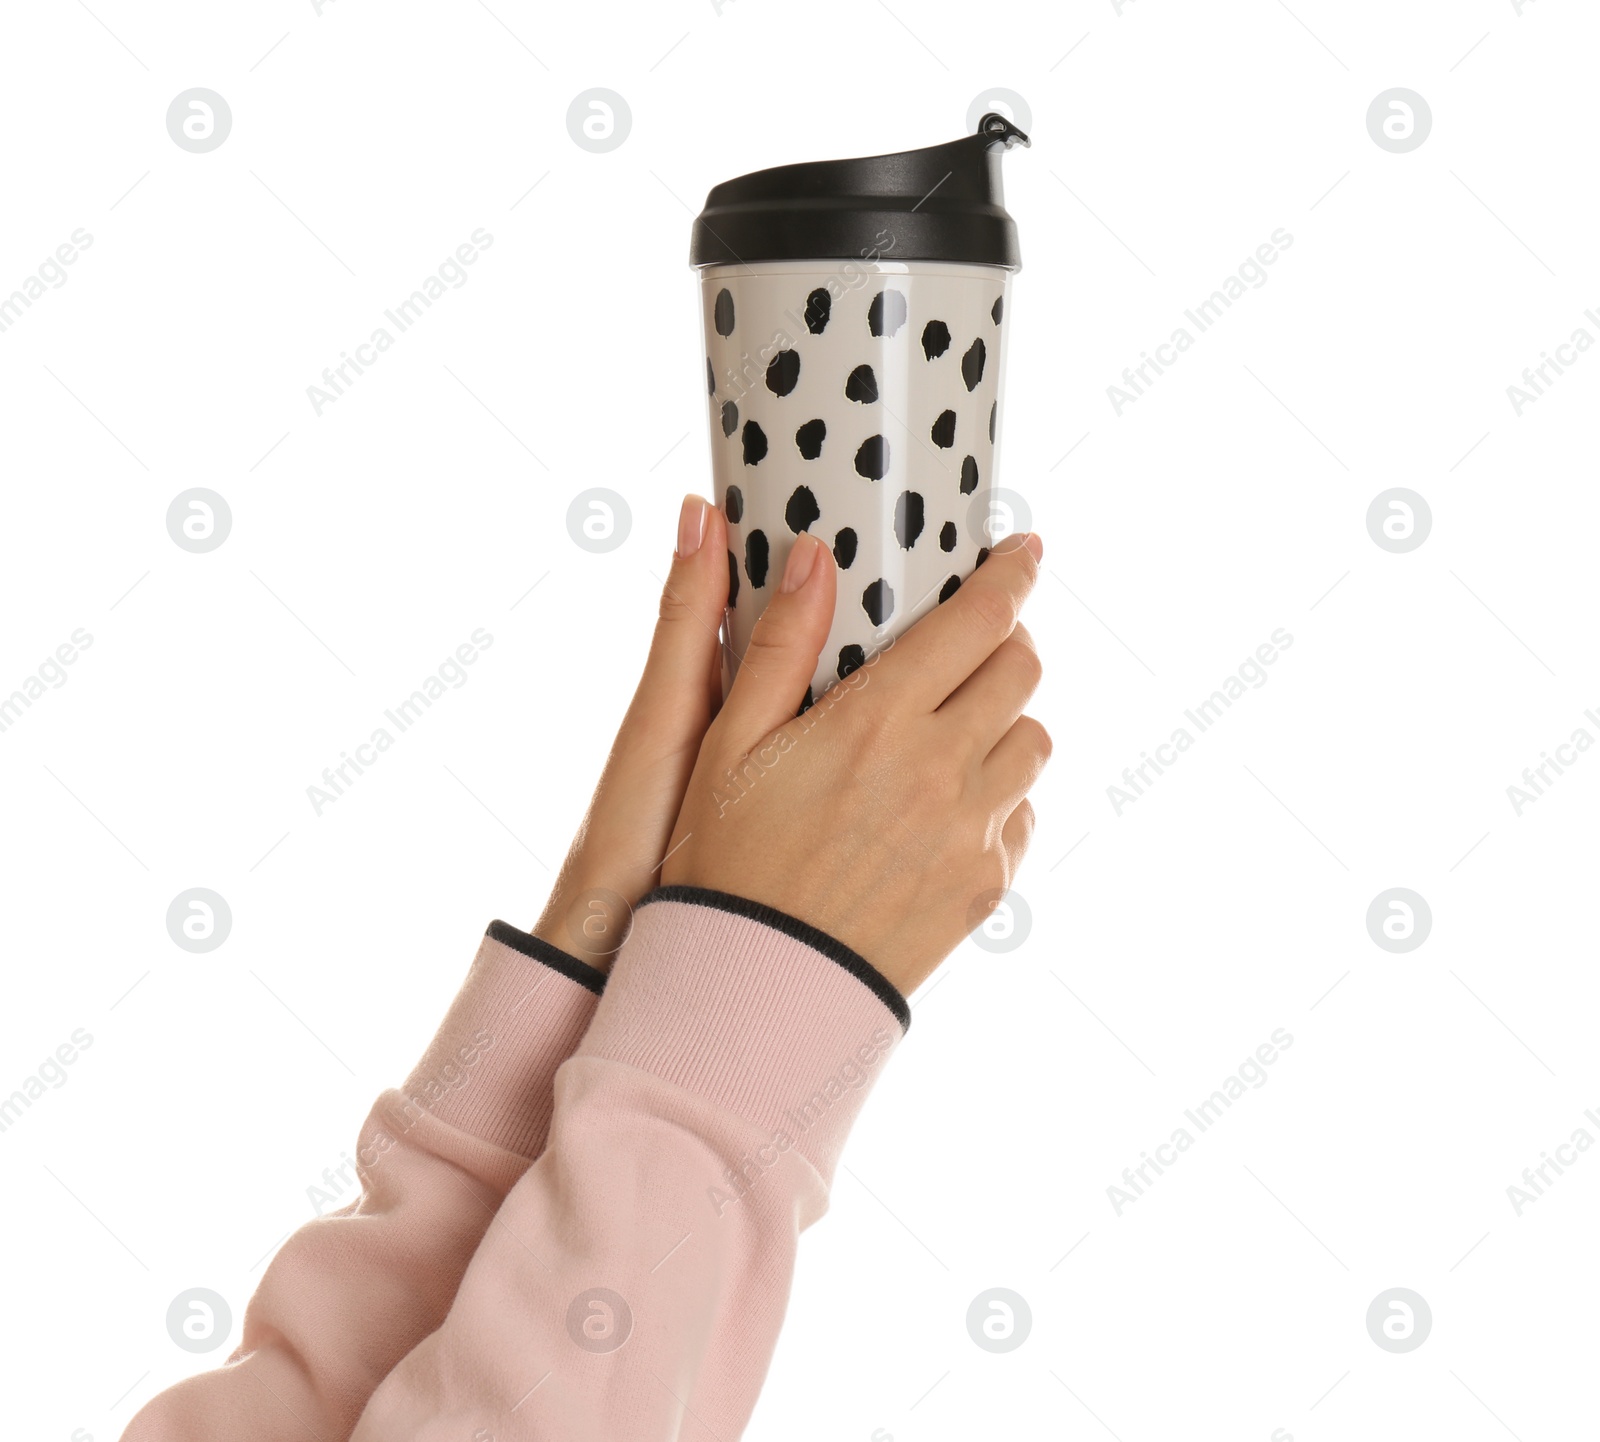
[
  {"x": 853, "y": 962},
  {"x": 552, "y": 956}
]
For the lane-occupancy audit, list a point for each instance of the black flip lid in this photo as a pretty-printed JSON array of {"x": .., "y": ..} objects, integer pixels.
[{"x": 941, "y": 203}]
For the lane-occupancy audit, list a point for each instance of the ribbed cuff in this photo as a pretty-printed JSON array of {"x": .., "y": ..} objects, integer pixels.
[
  {"x": 552, "y": 956},
  {"x": 709, "y": 994},
  {"x": 802, "y": 931},
  {"x": 521, "y": 1012}
]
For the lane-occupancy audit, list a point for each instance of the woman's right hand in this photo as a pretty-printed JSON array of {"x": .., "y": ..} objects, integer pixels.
[{"x": 893, "y": 814}]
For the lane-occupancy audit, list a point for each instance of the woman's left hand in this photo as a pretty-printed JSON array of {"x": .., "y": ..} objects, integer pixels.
[{"x": 617, "y": 854}]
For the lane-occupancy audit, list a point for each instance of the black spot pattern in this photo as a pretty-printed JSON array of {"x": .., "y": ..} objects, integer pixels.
[
  {"x": 887, "y": 313},
  {"x": 819, "y": 306},
  {"x": 802, "y": 509},
  {"x": 872, "y": 459},
  {"x": 972, "y": 364},
  {"x": 908, "y": 519},
  {"x": 750, "y": 417},
  {"x": 756, "y": 558},
  {"x": 861, "y": 386},
  {"x": 783, "y": 372}
]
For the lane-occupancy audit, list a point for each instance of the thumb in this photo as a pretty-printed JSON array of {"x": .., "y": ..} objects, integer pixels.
[{"x": 776, "y": 670}]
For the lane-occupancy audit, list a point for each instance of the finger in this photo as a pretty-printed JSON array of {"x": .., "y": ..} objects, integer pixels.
[
  {"x": 984, "y": 706},
  {"x": 946, "y": 646},
  {"x": 619, "y": 849},
  {"x": 775, "y": 672},
  {"x": 1010, "y": 770},
  {"x": 673, "y": 703},
  {"x": 653, "y": 754}
]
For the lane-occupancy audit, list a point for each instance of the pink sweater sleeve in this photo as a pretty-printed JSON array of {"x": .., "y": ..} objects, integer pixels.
[
  {"x": 349, "y": 1294},
  {"x": 635, "y": 1280}
]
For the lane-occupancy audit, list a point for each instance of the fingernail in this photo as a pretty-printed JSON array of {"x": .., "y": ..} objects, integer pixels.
[
  {"x": 691, "y": 525},
  {"x": 802, "y": 560},
  {"x": 1035, "y": 544}
]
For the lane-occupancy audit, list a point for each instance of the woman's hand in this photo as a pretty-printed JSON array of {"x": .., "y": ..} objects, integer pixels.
[
  {"x": 893, "y": 813},
  {"x": 614, "y": 858}
]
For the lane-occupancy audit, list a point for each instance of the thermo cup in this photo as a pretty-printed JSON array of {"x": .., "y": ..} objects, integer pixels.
[{"x": 855, "y": 318}]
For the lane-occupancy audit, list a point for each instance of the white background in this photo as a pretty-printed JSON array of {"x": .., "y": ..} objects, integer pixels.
[{"x": 1229, "y": 501}]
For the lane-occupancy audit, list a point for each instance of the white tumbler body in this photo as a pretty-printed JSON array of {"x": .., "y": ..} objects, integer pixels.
[{"x": 859, "y": 401}]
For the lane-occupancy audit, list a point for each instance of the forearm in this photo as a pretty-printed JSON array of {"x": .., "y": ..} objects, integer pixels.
[
  {"x": 349, "y": 1294},
  {"x": 638, "y": 1273}
]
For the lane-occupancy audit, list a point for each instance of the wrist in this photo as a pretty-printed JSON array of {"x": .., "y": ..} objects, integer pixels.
[
  {"x": 747, "y": 1008},
  {"x": 884, "y": 987},
  {"x": 587, "y": 922}
]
